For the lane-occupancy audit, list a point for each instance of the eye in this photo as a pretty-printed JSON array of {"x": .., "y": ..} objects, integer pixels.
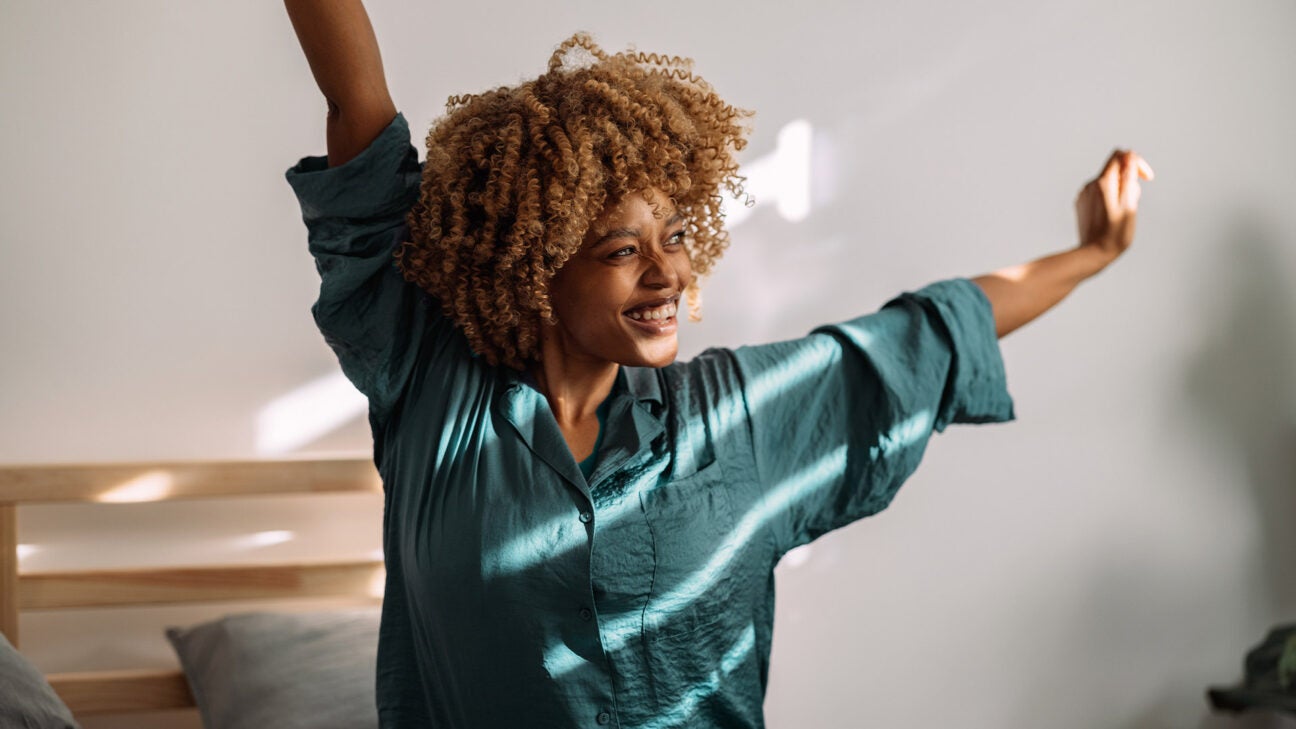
[
  {"x": 677, "y": 239},
  {"x": 622, "y": 253}
]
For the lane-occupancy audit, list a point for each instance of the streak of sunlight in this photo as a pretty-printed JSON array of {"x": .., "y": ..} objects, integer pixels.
[
  {"x": 680, "y": 713},
  {"x": 149, "y": 486},
  {"x": 307, "y": 413},
  {"x": 378, "y": 583},
  {"x": 262, "y": 539},
  {"x": 545, "y": 542},
  {"x": 804, "y": 363},
  {"x": 617, "y": 632}
]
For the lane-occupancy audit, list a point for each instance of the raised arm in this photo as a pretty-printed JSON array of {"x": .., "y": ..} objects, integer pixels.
[
  {"x": 342, "y": 51},
  {"x": 1106, "y": 209}
]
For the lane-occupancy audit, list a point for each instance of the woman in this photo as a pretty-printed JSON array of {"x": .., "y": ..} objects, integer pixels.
[{"x": 578, "y": 530}]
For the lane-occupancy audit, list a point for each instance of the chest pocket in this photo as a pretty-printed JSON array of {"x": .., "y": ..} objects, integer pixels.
[{"x": 697, "y": 554}]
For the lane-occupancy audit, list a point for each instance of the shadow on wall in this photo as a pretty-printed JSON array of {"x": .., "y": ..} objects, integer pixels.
[
  {"x": 1149, "y": 628},
  {"x": 1243, "y": 381}
]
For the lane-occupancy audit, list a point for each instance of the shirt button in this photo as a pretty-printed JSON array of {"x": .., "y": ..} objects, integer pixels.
[
  {"x": 586, "y": 614},
  {"x": 604, "y": 717},
  {"x": 586, "y": 516}
]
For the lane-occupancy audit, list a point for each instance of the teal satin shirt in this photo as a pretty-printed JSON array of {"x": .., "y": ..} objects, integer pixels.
[{"x": 521, "y": 593}]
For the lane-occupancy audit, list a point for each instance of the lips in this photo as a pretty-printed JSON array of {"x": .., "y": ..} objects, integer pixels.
[
  {"x": 655, "y": 316},
  {"x": 653, "y": 303},
  {"x": 655, "y": 327}
]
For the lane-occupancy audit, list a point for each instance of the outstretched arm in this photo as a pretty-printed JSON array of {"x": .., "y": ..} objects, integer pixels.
[
  {"x": 1106, "y": 209},
  {"x": 342, "y": 51}
]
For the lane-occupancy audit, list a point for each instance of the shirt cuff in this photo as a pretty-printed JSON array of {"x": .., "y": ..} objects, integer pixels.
[
  {"x": 977, "y": 388},
  {"x": 383, "y": 180}
]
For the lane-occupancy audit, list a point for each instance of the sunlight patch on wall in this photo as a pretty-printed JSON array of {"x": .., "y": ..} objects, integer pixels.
[
  {"x": 307, "y": 413},
  {"x": 781, "y": 178},
  {"x": 796, "y": 556}
]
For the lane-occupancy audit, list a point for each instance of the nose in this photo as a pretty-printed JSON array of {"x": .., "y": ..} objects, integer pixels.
[{"x": 660, "y": 271}]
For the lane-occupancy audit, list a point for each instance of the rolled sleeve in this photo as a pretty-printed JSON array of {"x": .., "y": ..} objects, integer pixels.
[
  {"x": 955, "y": 339},
  {"x": 841, "y": 418},
  {"x": 372, "y": 318},
  {"x": 377, "y": 186}
]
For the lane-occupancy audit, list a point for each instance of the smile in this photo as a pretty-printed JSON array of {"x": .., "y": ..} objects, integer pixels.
[
  {"x": 649, "y": 313},
  {"x": 657, "y": 320}
]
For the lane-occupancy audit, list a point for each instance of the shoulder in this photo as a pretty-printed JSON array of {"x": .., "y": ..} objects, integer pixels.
[{"x": 709, "y": 386}]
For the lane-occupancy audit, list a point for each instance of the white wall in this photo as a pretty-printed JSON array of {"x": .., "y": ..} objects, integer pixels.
[{"x": 1096, "y": 563}]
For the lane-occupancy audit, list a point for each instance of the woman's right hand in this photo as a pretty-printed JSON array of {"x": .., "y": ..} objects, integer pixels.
[{"x": 1107, "y": 206}]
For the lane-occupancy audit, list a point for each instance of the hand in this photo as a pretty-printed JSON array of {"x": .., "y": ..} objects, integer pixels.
[{"x": 1107, "y": 207}]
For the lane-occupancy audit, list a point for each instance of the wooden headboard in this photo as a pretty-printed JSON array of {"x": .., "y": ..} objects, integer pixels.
[{"x": 126, "y": 690}]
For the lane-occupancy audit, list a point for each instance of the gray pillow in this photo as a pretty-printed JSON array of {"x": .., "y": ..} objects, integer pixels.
[
  {"x": 283, "y": 670},
  {"x": 27, "y": 701}
]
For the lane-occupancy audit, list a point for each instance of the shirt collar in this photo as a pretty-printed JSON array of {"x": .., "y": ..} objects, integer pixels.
[
  {"x": 526, "y": 408},
  {"x": 643, "y": 383}
]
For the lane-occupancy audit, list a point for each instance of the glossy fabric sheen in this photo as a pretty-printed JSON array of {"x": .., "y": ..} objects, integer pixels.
[{"x": 521, "y": 594}]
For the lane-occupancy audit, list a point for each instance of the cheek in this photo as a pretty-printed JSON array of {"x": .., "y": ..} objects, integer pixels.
[
  {"x": 587, "y": 302},
  {"x": 685, "y": 271}
]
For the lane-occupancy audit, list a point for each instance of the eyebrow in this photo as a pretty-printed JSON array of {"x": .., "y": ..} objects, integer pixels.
[{"x": 633, "y": 232}]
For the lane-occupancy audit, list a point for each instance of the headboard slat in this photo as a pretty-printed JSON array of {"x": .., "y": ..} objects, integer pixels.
[
  {"x": 129, "y": 691},
  {"x": 109, "y": 692},
  {"x": 165, "y": 480},
  {"x": 103, "y": 588}
]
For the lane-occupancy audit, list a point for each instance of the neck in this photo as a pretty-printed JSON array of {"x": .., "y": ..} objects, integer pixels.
[{"x": 574, "y": 386}]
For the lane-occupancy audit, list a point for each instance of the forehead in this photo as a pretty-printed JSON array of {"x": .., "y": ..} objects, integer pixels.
[{"x": 633, "y": 209}]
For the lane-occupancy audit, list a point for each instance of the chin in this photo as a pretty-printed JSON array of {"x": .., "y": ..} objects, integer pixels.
[{"x": 655, "y": 357}]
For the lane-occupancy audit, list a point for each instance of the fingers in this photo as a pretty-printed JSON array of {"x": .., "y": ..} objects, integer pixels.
[
  {"x": 1145, "y": 170},
  {"x": 1119, "y": 178},
  {"x": 1129, "y": 172},
  {"x": 1121, "y": 157},
  {"x": 1130, "y": 190},
  {"x": 1109, "y": 178},
  {"x": 1113, "y": 163}
]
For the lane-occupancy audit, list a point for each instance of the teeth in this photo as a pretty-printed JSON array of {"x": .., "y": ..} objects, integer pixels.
[{"x": 662, "y": 312}]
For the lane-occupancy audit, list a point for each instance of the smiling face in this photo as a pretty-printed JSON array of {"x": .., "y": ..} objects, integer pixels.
[{"x": 616, "y": 298}]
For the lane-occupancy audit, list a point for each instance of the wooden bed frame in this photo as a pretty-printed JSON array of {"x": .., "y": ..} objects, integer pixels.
[{"x": 130, "y": 691}]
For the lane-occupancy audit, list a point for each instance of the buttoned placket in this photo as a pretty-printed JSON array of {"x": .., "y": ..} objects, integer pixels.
[{"x": 529, "y": 413}]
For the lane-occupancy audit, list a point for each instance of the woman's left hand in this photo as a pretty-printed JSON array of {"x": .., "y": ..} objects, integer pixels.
[{"x": 1107, "y": 207}]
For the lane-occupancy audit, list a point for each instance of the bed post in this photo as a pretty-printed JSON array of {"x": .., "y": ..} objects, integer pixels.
[{"x": 9, "y": 571}]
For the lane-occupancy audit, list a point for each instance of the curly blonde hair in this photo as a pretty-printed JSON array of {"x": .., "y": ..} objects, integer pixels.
[{"x": 515, "y": 176}]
